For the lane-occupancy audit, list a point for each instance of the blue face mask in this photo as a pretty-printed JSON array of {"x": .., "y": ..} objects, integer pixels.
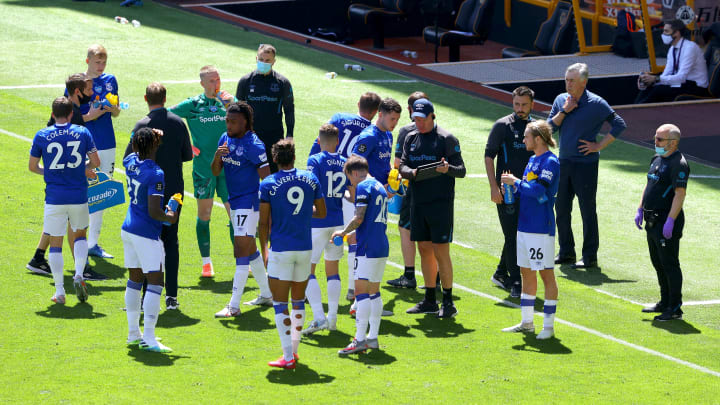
[
  {"x": 660, "y": 150},
  {"x": 263, "y": 67}
]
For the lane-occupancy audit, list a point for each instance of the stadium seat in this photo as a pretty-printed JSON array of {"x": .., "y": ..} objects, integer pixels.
[
  {"x": 472, "y": 26},
  {"x": 374, "y": 15},
  {"x": 556, "y": 36},
  {"x": 712, "y": 58}
]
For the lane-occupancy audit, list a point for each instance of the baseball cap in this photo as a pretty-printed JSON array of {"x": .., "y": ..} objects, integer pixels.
[{"x": 422, "y": 108}]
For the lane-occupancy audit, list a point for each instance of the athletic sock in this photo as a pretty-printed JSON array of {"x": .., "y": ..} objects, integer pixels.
[
  {"x": 202, "y": 229},
  {"x": 55, "y": 259},
  {"x": 549, "y": 310},
  {"x": 351, "y": 266},
  {"x": 260, "y": 274},
  {"x": 242, "y": 266},
  {"x": 232, "y": 232},
  {"x": 362, "y": 316},
  {"x": 39, "y": 254},
  {"x": 133, "y": 298},
  {"x": 283, "y": 323},
  {"x": 206, "y": 260},
  {"x": 81, "y": 254},
  {"x": 314, "y": 296},
  {"x": 410, "y": 272},
  {"x": 93, "y": 233},
  {"x": 376, "y": 308},
  {"x": 527, "y": 307},
  {"x": 447, "y": 296},
  {"x": 151, "y": 307},
  {"x": 297, "y": 317},
  {"x": 430, "y": 294},
  {"x": 333, "y": 294}
]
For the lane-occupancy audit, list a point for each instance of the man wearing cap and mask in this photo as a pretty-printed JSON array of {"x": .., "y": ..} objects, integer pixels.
[
  {"x": 685, "y": 71},
  {"x": 661, "y": 208},
  {"x": 269, "y": 94},
  {"x": 431, "y": 207}
]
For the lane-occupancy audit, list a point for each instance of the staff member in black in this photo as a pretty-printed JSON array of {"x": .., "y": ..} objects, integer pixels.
[
  {"x": 175, "y": 148},
  {"x": 506, "y": 140},
  {"x": 661, "y": 207},
  {"x": 269, "y": 94},
  {"x": 431, "y": 205}
]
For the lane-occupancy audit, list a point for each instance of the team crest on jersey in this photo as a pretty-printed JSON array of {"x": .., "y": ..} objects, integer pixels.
[
  {"x": 252, "y": 88},
  {"x": 97, "y": 89},
  {"x": 274, "y": 87},
  {"x": 213, "y": 108},
  {"x": 239, "y": 151},
  {"x": 232, "y": 147},
  {"x": 108, "y": 86}
]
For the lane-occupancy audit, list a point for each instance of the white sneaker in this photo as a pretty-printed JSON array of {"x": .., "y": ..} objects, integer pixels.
[
  {"x": 315, "y": 326},
  {"x": 260, "y": 300},
  {"x": 546, "y": 333},
  {"x": 228, "y": 312},
  {"x": 521, "y": 327},
  {"x": 332, "y": 323}
]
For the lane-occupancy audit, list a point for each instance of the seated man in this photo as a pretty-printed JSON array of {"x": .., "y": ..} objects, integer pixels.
[{"x": 685, "y": 70}]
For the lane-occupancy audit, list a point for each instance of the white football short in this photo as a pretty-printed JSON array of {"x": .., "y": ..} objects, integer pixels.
[
  {"x": 370, "y": 269},
  {"x": 143, "y": 253},
  {"x": 348, "y": 211},
  {"x": 291, "y": 265},
  {"x": 245, "y": 221},
  {"x": 107, "y": 161},
  {"x": 535, "y": 251},
  {"x": 56, "y": 217},
  {"x": 321, "y": 242}
]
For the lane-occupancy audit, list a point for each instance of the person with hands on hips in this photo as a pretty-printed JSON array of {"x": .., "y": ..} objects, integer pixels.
[{"x": 661, "y": 209}]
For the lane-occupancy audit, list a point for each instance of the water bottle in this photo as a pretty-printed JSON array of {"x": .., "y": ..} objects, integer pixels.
[
  {"x": 173, "y": 204},
  {"x": 509, "y": 197},
  {"x": 409, "y": 54},
  {"x": 338, "y": 240},
  {"x": 123, "y": 106},
  {"x": 330, "y": 75},
  {"x": 135, "y": 23},
  {"x": 347, "y": 66},
  {"x": 225, "y": 102},
  {"x": 358, "y": 68}
]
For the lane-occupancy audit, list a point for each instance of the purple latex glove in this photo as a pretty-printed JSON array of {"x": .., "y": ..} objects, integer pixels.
[
  {"x": 668, "y": 228},
  {"x": 639, "y": 218}
]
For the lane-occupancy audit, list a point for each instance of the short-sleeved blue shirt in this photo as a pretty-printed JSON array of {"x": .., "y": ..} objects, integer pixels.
[
  {"x": 538, "y": 189},
  {"x": 375, "y": 146},
  {"x": 349, "y": 127},
  {"x": 144, "y": 178},
  {"x": 328, "y": 168},
  {"x": 247, "y": 154},
  {"x": 102, "y": 127},
  {"x": 372, "y": 239}
]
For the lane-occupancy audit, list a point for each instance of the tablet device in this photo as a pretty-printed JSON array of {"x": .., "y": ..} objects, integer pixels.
[{"x": 427, "y": 171}]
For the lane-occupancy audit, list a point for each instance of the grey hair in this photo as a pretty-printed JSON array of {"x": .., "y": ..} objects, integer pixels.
[
  {"x": 581, "y": 68},
  {"x": 672, "y": 130}
]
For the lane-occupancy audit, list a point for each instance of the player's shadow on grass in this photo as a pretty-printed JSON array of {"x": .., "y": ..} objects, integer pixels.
[
  {"x": 301, "y": 375},
  {"x": 434, "y": 327},
  {"x": 326, "y": 339},
  {"x": 549, "y": 346},
  {"x": 676, "y": 327},
  {"x": 109, "y": 269},
  {"x": 218, "y": 287},
  {"x": 251, "y": 321},
  {"x": 175, "y": 319},
  {"x": 388, "y": 327},
  {"x": 372, "y": 357},
  {"x": 591, "y": 277},
  {"x": 153, "y": 359},
  {"x": 81, "y": 310}
]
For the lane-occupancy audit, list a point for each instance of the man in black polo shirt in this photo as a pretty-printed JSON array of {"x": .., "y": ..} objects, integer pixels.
[
  {"x": 506, "y": 140},
  {"x": 661, "y": 208},
  {"x": 175, "y": 148},
  {"x": 431, "y": 206},
  {"x": 269, "y": 94}
]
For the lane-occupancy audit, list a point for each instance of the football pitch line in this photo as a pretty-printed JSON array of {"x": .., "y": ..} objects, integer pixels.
[{"x": 502, "y": 301}]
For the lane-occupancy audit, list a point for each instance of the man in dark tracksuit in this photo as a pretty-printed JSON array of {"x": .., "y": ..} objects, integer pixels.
[
  {"x": 269, "y": 94},
  {"x": 661, "y": 208},
  {"x": 175, "y": 148},
  {"x": 506, "y": 140}
]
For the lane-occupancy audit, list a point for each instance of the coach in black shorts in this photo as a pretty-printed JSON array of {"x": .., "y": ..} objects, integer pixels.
[
  {"x": 431, "y": 206},
  {"x": 175, "y": 148},
  {"x": 269, "y": 94}
]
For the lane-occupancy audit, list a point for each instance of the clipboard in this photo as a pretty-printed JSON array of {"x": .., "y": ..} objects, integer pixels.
[{"x": 427, "y": 171}]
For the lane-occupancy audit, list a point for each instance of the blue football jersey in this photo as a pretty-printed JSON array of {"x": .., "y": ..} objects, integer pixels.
[
  {"x": 291, "y": 194},
  {"x": 349, "y": 127},
  {"x": 63, "y": 148},
  {"x": 102, "y": 128},
  {"x": 372, "y": 239},
  {"x": 328, "y": 168},
  {"x": 247, "y": 154},
  {"x": 375, "y": 146},
  {"x": 537, "y": 190},
  {"x": 144, "y": 178}
]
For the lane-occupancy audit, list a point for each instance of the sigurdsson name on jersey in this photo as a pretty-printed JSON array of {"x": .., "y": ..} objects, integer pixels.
[
  {"x": 356, "y": 122},
  {"x": 214, "y": 118},
  {"x": 286, "y": 179},
  {"x": 60, "y": 132}
]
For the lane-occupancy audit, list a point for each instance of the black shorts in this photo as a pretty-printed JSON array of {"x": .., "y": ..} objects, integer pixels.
[
  {"x": 432, "y": 222},
  {"x": 404, "y": 220}
]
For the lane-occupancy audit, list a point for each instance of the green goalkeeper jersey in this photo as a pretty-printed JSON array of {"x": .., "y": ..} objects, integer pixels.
[{"x": 206, "y": 119}]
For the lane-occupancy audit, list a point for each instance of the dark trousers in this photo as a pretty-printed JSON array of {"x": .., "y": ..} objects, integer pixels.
[
  {"x": 664, "y": 258},
  {"x": 269, "y": 138},
  {"x": 169, "y": 237},
  {"x": 577, "y": 179},
  {"x": 508, "y": 216},
  {"x": 660, "y": 92}
]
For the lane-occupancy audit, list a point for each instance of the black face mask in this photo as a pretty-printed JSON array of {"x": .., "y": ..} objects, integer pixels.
[{"x": 83, "y": 99}]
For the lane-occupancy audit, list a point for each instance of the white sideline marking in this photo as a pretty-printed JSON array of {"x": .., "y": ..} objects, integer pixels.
[
  {"x": 508, "y": 303},
  {"x": 583, "y": 328}
]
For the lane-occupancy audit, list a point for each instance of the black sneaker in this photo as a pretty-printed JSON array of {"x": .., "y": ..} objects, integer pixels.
[
  {"x": 92, "y": 275},
  {"x": 171, "y": 303},
  {"x": 669, "y": 315},
  {"x": 403, "y": 282},
  {"x": 516, "y": 290},
  {"x": 448, "y": 310},
  {"x": 39, "y": 266},
  {"x": 500, "y": 280},
  {"x": 424, "y": 307},
  {"x": 657, "y": 308}
]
